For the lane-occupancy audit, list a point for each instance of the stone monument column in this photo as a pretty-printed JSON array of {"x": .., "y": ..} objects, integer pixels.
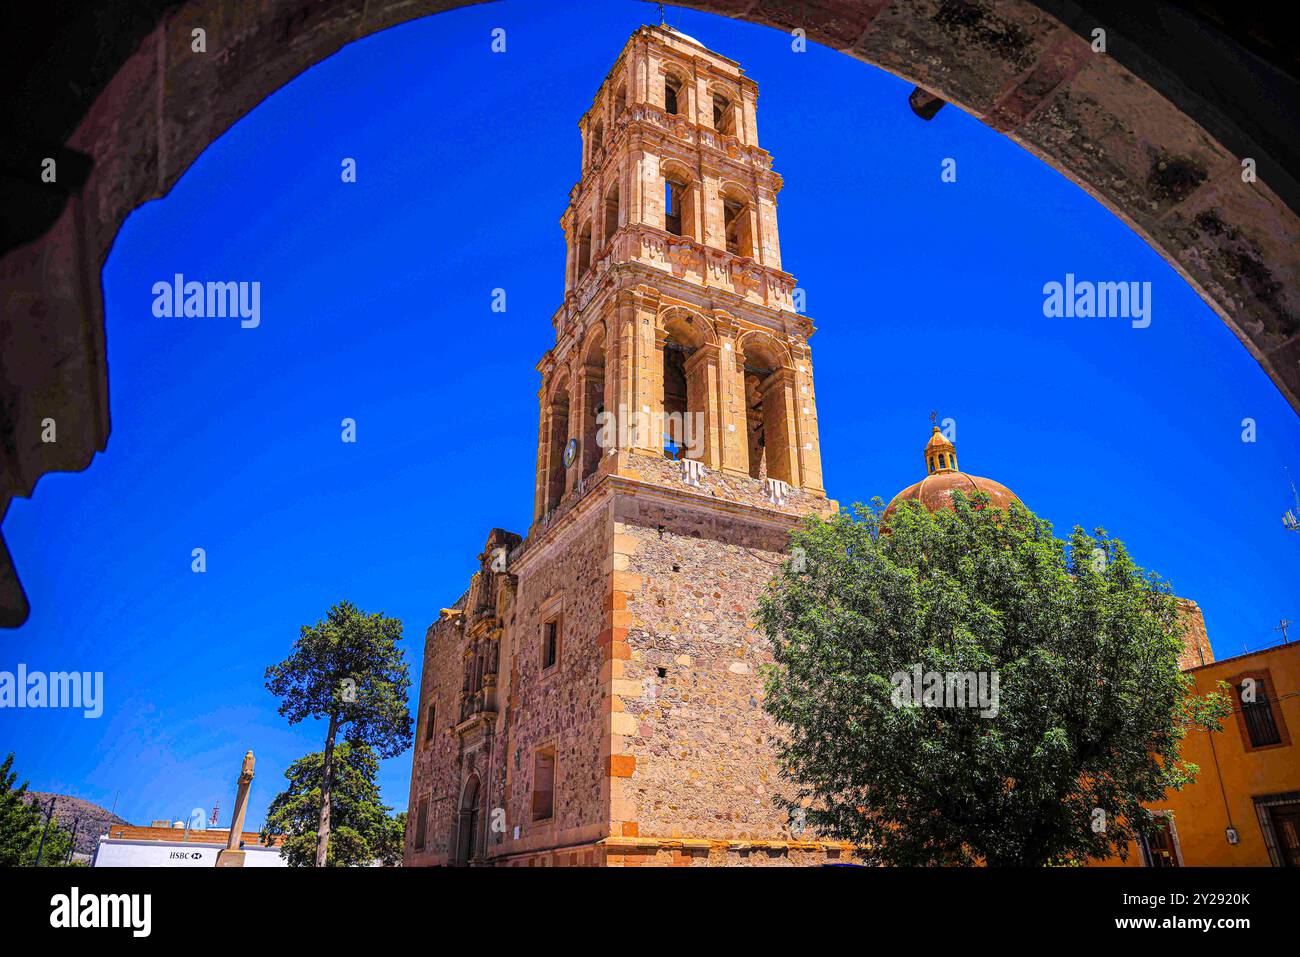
[{"x": 231, "y": 855}]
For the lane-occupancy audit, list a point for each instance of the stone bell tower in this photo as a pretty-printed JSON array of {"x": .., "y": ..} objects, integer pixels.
[
  {"x": 595, "y": 697},
  {"x": 677, "y": 320}
]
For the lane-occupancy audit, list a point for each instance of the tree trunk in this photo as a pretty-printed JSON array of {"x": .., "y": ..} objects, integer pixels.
[{"x": 326, "y": 780}]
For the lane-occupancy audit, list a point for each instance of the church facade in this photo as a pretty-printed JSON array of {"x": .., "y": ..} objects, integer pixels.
[{"x": 595, "y": 696}]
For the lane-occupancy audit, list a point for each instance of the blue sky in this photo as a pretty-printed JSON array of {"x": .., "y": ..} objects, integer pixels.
[{"x": 376, "y": 303}]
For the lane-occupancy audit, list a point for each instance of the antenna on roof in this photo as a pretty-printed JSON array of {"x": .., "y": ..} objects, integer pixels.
[{"x": 215, "y": 808}]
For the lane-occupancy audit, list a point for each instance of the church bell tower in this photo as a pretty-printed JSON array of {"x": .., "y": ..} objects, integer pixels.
[
  {"x": 595, "y": 697},
  {"x": 679, "y": 337}
]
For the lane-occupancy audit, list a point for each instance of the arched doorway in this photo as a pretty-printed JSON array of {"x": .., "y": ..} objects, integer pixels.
[{"x": 467, "y": 841}]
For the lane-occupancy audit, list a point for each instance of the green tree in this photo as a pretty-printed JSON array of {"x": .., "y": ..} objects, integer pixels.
[
  {"x": 360, "y": 822},
  {"x": 1091, "y": 705},
  {"x": 22, "y": 823},
  {"x": 393, "y": 841},
  {"x": 348, "y": 671}
]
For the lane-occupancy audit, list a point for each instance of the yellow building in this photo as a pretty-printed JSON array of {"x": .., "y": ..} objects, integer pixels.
[{"x": 1244, "y": 808}]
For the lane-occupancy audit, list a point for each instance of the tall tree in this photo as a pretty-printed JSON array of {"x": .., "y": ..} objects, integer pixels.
[
  {"x": 359, "y": 822},
  {"x": 1090, "y": 703},
  {"x": 392, "y": 843},
  {"x": 348, "y": 671}
]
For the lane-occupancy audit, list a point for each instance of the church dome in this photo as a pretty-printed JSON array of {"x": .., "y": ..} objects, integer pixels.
[{"x": 935, "y": 490}]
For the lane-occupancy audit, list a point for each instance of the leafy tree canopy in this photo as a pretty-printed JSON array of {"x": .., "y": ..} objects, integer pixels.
[
  {"x": 1090, "y": 706},
  {"x": 361, "y": 829},
  {"x": 348, "y": 667}
]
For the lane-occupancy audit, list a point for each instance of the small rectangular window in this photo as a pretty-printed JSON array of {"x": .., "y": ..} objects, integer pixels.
[
  {"x": 421, "y": 824},
  {"x": 1252, "y": 695},
  {"x": 550, "y": 644},
  {"x": 544, "y": 785},
  {"x": 430, "y": 715}
]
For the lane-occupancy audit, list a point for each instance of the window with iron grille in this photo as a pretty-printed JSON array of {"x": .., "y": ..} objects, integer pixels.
[{"x": 1252, "y": 695}]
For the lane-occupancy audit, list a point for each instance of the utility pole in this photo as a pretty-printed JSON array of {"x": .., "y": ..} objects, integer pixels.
[
  {"x": 1282, "y": 626},
  {"x": 49, "y": 813}
]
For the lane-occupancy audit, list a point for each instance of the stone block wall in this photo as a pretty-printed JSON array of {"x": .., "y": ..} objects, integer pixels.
[
  {"x": 564, "y": 576},
  {"x": 695, "y": 771}
]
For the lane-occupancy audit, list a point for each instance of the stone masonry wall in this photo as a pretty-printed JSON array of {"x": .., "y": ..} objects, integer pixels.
[
  {"x": 435, "y": 772},
  {"x": 564, "y": 708},
  {"x": 698, "y": 774}
]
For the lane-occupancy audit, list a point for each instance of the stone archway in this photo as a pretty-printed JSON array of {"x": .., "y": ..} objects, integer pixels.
[
  {"x": 467, "y": 839},
  {"x": 1157, "y": 133}
]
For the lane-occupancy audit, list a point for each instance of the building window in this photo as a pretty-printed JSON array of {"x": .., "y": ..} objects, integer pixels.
[
  {"x": 544, "y": 785},
  {"x": 736, "y": 226},
  {"x": 1258, "y": 717},
  {"x": 672, "y": 91},
  {"x": 1252, "y": 694},
  {"x": 429, "y": 716},
  {"x": 1279, "y": 820},
  {"x": 724, "y": 117},
  {"x": 674, "y": 193},
  {"x": 550, "y": 644},
  {"x": 421, "y": 824},
  {"x": 612, "y": 204},
  {"x": 584, "y": 250},
  {"x": 1160, "y": 847}
]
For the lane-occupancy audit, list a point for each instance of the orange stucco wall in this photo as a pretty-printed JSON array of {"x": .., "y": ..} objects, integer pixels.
[{"x": 1231, "y": 772}]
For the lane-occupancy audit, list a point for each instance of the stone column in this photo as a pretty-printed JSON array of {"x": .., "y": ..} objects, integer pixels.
[
  {"x": 704, "y": 395},
  {"x": 231, "y": 855},
  {"x": 543, "y": 447},
  {"x": 647, "y": 394},
  {"x": 713, "y": 230},
  {"x": 731, "y": 387},
  {"x": 806, "y": 432}
]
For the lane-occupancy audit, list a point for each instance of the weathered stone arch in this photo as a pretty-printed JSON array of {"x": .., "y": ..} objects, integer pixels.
[
  {"x": 686, "y": 326},
  {"x": 590, "y": 396},
  {"x": 558, "y": 426},
  {"x": 765, "y": 347},
  {"x": 771, "y": 407},
  {"x": 469, "y": 822},
  {"x": 1158, "y": 138}
]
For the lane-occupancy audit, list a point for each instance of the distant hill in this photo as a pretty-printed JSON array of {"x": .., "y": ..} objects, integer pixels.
[{"x": 90, "y": 820}]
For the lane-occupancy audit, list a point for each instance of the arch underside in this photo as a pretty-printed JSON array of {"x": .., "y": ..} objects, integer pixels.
[{"x": 1147, "y": 156}]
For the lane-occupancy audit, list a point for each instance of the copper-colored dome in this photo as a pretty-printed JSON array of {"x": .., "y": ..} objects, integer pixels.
[{"x": 935, "y": 491}]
